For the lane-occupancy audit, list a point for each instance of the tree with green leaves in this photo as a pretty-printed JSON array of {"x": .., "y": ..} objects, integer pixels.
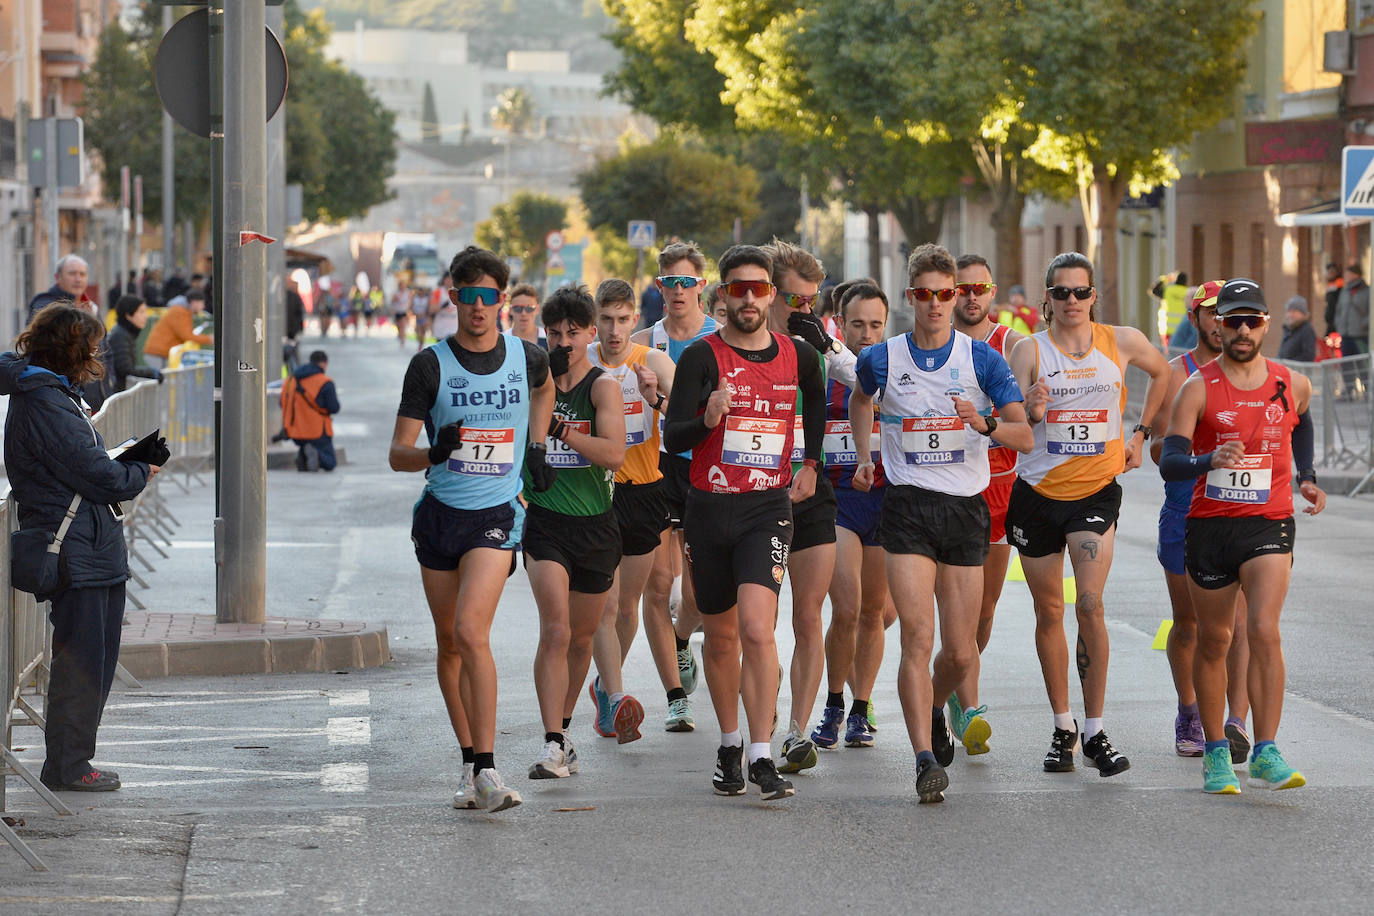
[
  {"x": 691, "y": 193},
  {"x": 341, "y": 142},
  {"x": 518, "y": 227}
]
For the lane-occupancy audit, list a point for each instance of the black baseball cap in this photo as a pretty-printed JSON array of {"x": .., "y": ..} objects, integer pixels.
[{"x": 1241, "y": 294}]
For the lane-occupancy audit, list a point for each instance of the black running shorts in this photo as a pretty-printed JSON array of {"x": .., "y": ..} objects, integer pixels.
[
  {"x": 1038, "y": 526},
  {"x": 642, "y": 514},
  {"x": 813, "y": 520},
  {"x": 442, "y": 534},
  {"x": 677, "y": 481},
  {"x": 587, "y": 546},
  {"x": 735, "y": 539},
  {"x": 949, "y": 529},
  {"x": 1214, "y": 549}
]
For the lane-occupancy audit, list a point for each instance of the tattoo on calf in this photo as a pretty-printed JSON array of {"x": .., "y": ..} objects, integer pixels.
[{"x": 1084, "y": 662}]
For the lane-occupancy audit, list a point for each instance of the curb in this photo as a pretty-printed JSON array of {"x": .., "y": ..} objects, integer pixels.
[{"x": 170, "y": 645}]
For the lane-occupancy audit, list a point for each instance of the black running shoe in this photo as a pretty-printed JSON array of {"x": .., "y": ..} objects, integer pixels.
[
  {"x": 931, "y": 782},
  {"x": 1098, "y": 752},
  {"x": 764, "y": 774},
  {"x": 941, "y": 744},
  {"x": 729, "y": 776},
  {"x": 1063, "y": 744}
]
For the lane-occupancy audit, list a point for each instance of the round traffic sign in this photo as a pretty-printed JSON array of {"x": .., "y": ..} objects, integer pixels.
[{"x": 554, "y": 240}]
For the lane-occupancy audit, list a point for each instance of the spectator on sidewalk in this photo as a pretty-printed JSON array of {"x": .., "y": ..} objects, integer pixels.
[
  {"x": 308, "y": 401},
  {"x": 53, "y": 454},
  {"x": 176, "y": 327},
  {"x": 1299, "y": 339},
  {"x": 131, "y": 317},
  {"x": 1352, "y": 322},
  {"x": 1334, "y": 284},
  {"x": 69, "y": 285},
  {"x": 295, "y": 325}
]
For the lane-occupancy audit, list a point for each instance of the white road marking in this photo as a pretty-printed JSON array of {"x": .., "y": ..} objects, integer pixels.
[
  {"x": 349, "y": 730},
  {"x": 142, "y": 898},
  {"x": 209, "y": 545},
  {"x": 257, "y": 736},
  {"x": 297, "y": 696},
  {"x": 343, "y": 777},
  {"x": 349, "y": 698}
]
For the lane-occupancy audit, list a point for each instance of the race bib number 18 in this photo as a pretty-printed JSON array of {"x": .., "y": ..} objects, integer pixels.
[
  {"x": 1076, "y": 432},
  {"x": 753, "y": 442},
  {"x": 1248, "y": 482},
  {"x": 563, "y": 455},
  {"x": 933, "y": 440},
  {"x": 484, "y": 452}
]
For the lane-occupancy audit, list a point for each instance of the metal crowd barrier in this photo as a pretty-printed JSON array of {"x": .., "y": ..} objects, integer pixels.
[{"x": 182, "y": 405}]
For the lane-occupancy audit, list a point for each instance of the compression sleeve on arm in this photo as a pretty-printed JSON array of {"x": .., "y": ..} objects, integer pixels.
[
  {"x": 1304, "y": 446},
  {"x": 684, "y": 426},
  {"x": 1177, "y": 464}
]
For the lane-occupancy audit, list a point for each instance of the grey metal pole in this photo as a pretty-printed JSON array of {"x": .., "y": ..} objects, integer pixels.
[
  {"x": 242, "y": 593},
  {"x": 276, "y": 219},
  {"x": 50, "y": 192},
  {"x": 168, "y": 178}
]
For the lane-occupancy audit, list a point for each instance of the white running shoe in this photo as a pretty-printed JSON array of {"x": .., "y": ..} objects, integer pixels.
[
  {"x": 492, "y": 793},
  {"x": 571, "y": 755},
  {"x": 553, "y": 765},
  {"x": 465, "y": 799}
]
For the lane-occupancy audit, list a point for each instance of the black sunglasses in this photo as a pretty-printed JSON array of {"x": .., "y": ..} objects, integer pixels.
[{"x": 1061, "y": 293}]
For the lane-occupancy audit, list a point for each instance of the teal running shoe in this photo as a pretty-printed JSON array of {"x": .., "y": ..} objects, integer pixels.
[
  {"x": 687, "y": 670},
  {"x": 605, "y": 717},
  {"x": 1218, "y": 777},
  {"x": 679, "y": 717},
  {"x": 1270, "y": 770},
  {"x": 956, "y": 715},
  {"x": 973, "y": 730}
]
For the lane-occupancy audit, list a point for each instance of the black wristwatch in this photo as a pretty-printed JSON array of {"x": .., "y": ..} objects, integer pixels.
[
  {"x": 1307, "y": 476},
  {"x": 658, "y": 405},
  {"x": 992, "y": 424},
  {"x": 1142, "y": 428}
]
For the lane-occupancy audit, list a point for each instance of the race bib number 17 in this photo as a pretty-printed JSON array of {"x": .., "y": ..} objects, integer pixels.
[{"x": 484, "y": 452}]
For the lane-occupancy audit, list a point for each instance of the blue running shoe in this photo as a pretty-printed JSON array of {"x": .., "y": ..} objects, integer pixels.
[
  {"x": 955, "y": 718},
  {"x": 1218, "y": 777},
  {"x": 687, "y": 670},
  {"x": 1270, "y": 770},
  {"x": 973, "y": 730},
  {"x": 827, "y": 733},
  {"x": 857, "y": 732},
  {"x": 605, "y": 716}
]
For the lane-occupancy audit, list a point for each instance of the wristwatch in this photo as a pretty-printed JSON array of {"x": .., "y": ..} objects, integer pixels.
[
  {"x": 658, "y": 405},
  {"x": 1142, "y": 428},
  {"x": 992, "y": 424},
  {"x": 835, "y": 346}
]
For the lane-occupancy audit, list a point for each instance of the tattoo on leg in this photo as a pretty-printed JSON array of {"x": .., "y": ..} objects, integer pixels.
[
  {"x": 1084, "y": 662},
  {"x": 1091, "y": 547}
]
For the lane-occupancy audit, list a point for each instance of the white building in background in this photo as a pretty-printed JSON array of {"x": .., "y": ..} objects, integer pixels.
[{"x": 398, "y": 63}]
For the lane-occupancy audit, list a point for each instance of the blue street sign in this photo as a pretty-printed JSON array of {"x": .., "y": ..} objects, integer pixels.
[
  {"x": 642, "y": 233},
  {"x": 1357, "y": 181}
]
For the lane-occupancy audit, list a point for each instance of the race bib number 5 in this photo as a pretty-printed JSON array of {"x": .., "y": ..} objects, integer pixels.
[
  {"x": 933, "y": 440},
  {"x": 839, "y": 444},
  {"x": 1076, "y": 432},
  {"x": 484, "y": 452},
  {"x": 753, "y": 442},
  {"x": 1248, "y": 482},
  {"x": 561, "y": 454}
]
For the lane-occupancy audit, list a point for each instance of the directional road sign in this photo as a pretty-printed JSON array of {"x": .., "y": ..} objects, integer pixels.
[
  {"x": 642, "y": 233},
  {"x": 1357, "y": 181}
]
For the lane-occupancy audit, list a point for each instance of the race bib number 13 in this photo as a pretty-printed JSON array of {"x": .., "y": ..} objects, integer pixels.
[{"x": 1076, "y": 432}]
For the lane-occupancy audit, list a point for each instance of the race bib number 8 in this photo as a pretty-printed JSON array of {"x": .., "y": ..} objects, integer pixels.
[
  {"x": 753, "y": 442},
  {"x": 933, "y": 440},
  {"x": 839, "y": 444},
  {"x": 1076, "y": 432},
  {"x": 563, "y": 455},
  {"x": 484, "y": 452},
  {"x": 1248, "y": 482}
]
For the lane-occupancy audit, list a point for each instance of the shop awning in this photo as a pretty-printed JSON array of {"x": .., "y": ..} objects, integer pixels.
[{"x": 1325, "y": 213}]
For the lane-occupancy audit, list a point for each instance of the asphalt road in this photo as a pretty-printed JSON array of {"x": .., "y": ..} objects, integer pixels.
[{"x": 328, "y": 793}]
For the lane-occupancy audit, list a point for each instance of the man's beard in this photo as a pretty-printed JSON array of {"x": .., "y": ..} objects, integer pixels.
[{"x": 743, "y": 325}]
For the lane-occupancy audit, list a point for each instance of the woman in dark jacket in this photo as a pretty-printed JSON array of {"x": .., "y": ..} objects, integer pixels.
[
  {"x": 52, "y": 453},
  {"x": 131, "y": 315}
]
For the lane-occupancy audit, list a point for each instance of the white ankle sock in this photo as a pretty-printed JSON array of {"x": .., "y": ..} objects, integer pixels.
[
  {"x": 1064, "y": 720},
  {"x": 616, "y": 698},
  {"x": 1092, "y": 726},
  {"x": 759, "y": 750},
  {"x": 732, "y": 739}
]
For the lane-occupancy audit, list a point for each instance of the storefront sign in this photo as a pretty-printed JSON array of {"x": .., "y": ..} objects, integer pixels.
[{"x": 1294, "y": 142}]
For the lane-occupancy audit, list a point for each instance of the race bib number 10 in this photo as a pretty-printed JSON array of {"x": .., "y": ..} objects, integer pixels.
[
  {"x": 1076, "y": 432},
  {"x": 839, "y": 444},
  {"x": 484, "y": 452},
  {"x": 933, "y": 440},
  {"x": 753, "y": 442},
  {"x": 1248, "y": 482}
]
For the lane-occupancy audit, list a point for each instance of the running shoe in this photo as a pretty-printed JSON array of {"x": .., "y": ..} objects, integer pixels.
[
  {"x": 974, "y": 730},
  {"x": 1188, "y": 738},
  {"x": 627, "y": 716},
  {"x": 1270, "y": 770},
  {"x": 679, "y": 717},
  {"x": 827, "y": 733},
  {"x": 729, "y": 775},
  {"x": 941, "y": 744},
  {"x": 857, "y": 732},
  {"x": 1063, "y": 745},
  {"x": 798, "y": 751},
  {"x": 553, "y": 765},
  {"x": 872, "y": 716},
  {"x": 465, "y": 799},
  {"x": 1239, "y": 738},
  {"x": 1099, "y": 753},
  {"x": 687, "y": 670},
  {"x": 1218, "y": 776},
  {"x": 954, "y": 715},
  {"x": 931, "y": 782},
  {"x": 571, "y": 752},
  {"x": 492, "y": 793},
  {"x": 605, "y": 723},
  {"x": 772, "y": 787}
]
